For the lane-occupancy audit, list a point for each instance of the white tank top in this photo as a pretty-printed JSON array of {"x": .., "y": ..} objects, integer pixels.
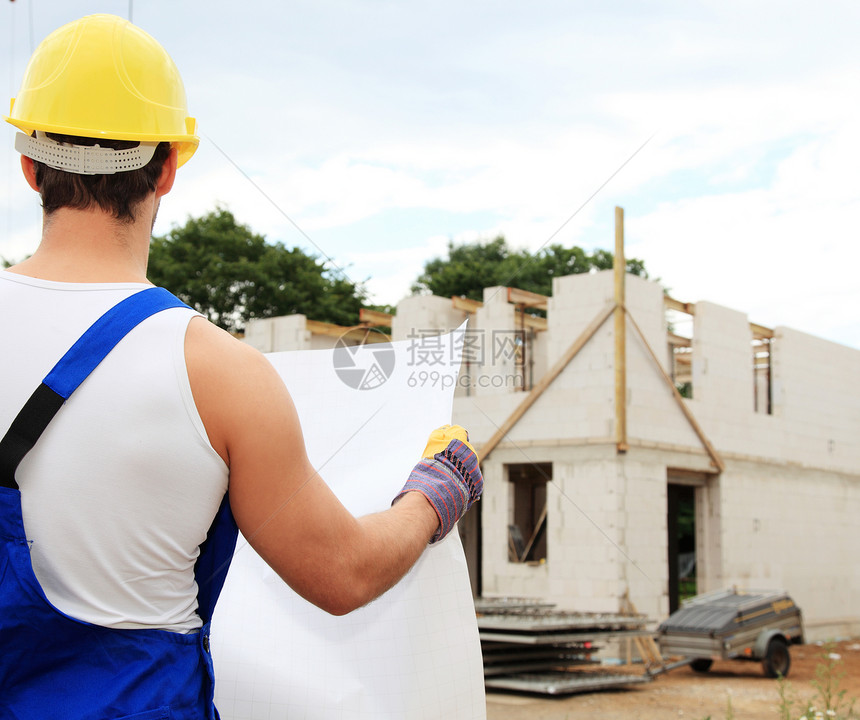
[{"x": 118, "y": 493}]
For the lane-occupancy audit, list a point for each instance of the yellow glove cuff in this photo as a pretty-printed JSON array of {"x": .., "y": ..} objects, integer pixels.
[{"x": 441, "y": 437}]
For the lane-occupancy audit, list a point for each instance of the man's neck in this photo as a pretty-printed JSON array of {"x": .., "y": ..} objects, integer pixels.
[{"x": 90, "y": 246}]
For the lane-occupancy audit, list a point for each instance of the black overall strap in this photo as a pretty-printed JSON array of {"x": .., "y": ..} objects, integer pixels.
[{"x": 72, "y": 369}]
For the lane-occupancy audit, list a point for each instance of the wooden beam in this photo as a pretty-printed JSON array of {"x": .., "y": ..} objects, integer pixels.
[
  {"x": 649, "y": 651},
  {"x": 760, "y": 332},
  {"x": 527, "y": 298},
  {"x": 374, "y": 317},
  {"x": 530, "y": 321},
  {"x": 679, "y": 340},
  {"x": 545, "y": 382},
  {"x": 361, "y": 335},
  {"x": 711, "y": 450},
  {"x": 513, "y": 555},
  {"x": 465, "y": 304},
  {"x": 619, "y": 266},
  {"x": 538, "y": 526},
  {"x": 672, "y": 304}
]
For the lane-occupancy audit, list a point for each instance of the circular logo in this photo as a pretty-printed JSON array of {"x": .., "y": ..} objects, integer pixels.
[{"x": 363, "y": 358}]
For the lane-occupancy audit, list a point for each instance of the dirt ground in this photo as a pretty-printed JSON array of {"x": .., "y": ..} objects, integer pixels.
[{"x": 683, "y": 693}]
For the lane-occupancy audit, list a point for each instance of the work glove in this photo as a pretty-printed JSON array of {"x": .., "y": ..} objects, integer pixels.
[{"x": 448, "y": 476}]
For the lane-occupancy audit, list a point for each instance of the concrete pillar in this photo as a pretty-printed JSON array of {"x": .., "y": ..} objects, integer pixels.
[
  {"x": 278, "y": 334},
  {"x": 722, "y": 358},
  {"x": 495, "y": 323},
  {"x": 422, "y": 315}
]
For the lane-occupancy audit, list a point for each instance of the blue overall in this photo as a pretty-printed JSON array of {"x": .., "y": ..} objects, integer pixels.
[{"x": 54, "y": 666}]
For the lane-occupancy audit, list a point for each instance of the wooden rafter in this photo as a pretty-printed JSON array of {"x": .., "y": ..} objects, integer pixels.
[
  {"x": 677, "y": 305},
  {"x": 374, "y": 318},
  {"x": 362, "y": 335},
  {"x": 759, "y": 331},
  {"x": 679, "y": 340},
  {"x": 465, "y": 304},
  {"x": 527, "y": 298},
  {"x": 471, "y": 306},
  {"x": 538, "y": 527}
]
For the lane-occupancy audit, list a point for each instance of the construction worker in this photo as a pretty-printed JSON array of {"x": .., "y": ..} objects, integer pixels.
[{"x": 128, "y": 417}]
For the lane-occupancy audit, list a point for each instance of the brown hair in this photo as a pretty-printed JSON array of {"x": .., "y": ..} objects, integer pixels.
[{"x": 118, "y": 194}]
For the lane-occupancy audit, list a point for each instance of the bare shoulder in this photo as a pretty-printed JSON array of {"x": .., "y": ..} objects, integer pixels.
[
  {"x": 234, "y": 386},
  {"x": 205, "y": 340}
]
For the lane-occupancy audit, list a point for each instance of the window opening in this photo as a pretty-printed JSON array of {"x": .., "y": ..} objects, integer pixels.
[
  {"x": 682, "y": 364},
  {"x": 762, "y": 346},
  {"x": 680, "y": 323},
  {"x": 527, "y": 528}
]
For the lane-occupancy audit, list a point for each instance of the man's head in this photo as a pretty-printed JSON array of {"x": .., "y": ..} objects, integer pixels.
[
  {"x": 100, "y": 107},
  {"x": 117, "y": 194}
]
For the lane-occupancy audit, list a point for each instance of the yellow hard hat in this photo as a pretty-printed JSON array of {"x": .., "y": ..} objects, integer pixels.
[{"x": 102, "y": 77}]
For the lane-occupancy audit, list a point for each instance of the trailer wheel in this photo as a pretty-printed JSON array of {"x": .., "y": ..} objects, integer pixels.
[
  {"x": 776, "y": 661},
  {"x": 701, "y": 665}
]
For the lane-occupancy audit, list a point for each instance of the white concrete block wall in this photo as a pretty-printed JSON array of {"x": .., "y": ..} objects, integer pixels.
[
  {"x": 483, "y": 414},
  {"x": 653, "y": 415},
  {"x": 258, "y": 334},
  {"x": 642, "y": 551},
  {"x": 817, "y": 398},
  {"x": 709, "y": 536},
  {"x": 278, "y": 334},
  {"x": 495, "y": 327},
  {"x": 540, "y": 356},
  {"x": 576, "y": 301},
  {"x": 644, "y": 301},
  {"x": 722, "y": 359},
  {"x": 424, "y": 314},
  {"x": 589, "y": 520},
  {"x": 788, "y": 529},
  {"x": 291, "y": 333}
]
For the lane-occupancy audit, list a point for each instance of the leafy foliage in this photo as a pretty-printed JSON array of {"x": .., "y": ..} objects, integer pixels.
[
  {"x": 471, "y": 267},
  {"x": 231, "y": 275}
]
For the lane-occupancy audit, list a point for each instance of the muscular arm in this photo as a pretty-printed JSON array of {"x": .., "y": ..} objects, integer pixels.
[{"x": 284, "y": 509}]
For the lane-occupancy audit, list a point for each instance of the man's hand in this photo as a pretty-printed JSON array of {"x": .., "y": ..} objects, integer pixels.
[{"x": 449, "y": 477}]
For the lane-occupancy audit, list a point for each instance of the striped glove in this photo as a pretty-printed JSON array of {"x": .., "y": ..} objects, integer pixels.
[{"x": 448, "y": 476}]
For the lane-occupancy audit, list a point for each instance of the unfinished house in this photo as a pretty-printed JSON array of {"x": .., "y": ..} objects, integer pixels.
[
  {"x": 602, "y": 480},
  {"x": 622, "y": 455}
]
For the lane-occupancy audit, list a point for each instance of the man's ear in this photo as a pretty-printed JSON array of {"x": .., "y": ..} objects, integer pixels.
[
  {"x": 168, "y": 174},
  {"x": 29, "y": 169}
]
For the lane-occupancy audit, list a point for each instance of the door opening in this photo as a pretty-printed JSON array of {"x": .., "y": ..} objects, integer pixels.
[{"x": 681, "y": 543}]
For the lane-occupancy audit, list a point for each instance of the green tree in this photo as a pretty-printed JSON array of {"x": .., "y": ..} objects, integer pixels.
[
  {"x": 471, "y": 267},
  {"x": 231, "y": 275}
]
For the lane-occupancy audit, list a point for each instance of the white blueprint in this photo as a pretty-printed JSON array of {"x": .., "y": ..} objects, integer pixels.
[{"x": 414, "y": 652}]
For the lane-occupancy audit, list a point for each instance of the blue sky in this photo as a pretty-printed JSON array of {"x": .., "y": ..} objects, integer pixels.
[{"x": 385, "y": 129}]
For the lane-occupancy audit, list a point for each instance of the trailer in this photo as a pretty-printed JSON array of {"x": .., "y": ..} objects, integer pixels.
[{"x": 734, "y": 624}]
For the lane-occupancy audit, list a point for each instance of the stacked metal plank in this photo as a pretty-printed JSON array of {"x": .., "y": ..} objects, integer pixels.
[{"x": 532, "y": 647}]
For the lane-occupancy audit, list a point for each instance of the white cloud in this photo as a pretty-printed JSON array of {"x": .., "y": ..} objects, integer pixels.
[
  {"x": 510, "y": 116},
  {"x": 786, "y": 254}
]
